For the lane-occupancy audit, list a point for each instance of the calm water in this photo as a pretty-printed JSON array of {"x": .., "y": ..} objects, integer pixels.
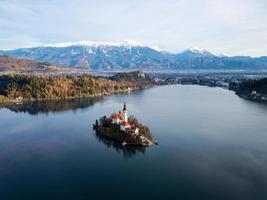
[{"x": 212, "y": 145}]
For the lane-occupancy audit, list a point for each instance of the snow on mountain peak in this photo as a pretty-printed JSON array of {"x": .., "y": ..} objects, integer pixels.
[
  {"x": 88, "y": 43},
  {"x": 197, "y": 50},
  {"x": 131, "y": 43}
]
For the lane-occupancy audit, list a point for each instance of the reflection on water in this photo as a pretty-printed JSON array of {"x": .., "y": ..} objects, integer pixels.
[
  {"x": 51, "y": 106},
  {"x": 213, "y": 145},
  {"x": 127, "y": 151}
]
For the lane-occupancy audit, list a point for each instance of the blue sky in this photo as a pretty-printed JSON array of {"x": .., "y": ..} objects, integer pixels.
[{"x": 232, "y": 27}]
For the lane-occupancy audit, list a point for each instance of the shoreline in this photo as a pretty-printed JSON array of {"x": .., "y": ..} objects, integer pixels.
[
  {"x": 103, "y": 132},
  {"x": 248, "y": 97},
  {"x": 20, "y": 88},
  {"x": 253, "y": 98},
  {"x": 7, "y": 100}
]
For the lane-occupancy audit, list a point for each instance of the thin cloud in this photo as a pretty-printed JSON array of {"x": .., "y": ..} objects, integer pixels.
[{"x": 232, "y": 27}]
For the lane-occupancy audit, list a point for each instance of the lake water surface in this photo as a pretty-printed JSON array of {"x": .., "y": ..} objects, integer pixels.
[{"x": 212, "y": 145}]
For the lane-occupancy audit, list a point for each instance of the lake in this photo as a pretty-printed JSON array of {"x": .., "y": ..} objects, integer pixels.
[{"x": 212, "y": 145}]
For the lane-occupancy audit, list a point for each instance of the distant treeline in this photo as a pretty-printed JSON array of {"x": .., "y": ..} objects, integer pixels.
[
  {"x": 253, "y": 90},
  {"x": 246, "y": 87},
  {"x": 63, "y": 87}
]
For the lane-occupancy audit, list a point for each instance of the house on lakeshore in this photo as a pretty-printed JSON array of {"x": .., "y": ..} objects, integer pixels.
[
  {"x": 254, "y": 92},
  {"x": 121, "y": 119}
]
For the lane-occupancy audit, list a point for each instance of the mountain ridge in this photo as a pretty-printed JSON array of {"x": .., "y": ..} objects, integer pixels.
[{"x": 133, "y": 55}]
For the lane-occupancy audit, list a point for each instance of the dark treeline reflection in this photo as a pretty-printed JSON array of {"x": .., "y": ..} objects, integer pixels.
[
  {"x": 51, "y": 106},
  {"x": 127, "y": 151}
]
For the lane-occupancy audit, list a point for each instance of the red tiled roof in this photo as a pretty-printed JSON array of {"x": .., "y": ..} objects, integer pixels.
[
  {"x": 117, "y": 116},
  {"x": 125, "y": 123}
]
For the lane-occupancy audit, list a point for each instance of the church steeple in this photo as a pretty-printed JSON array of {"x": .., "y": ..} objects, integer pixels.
[
  {"x": 124, "y": 107},
  {"x": 124, "y": 112}
]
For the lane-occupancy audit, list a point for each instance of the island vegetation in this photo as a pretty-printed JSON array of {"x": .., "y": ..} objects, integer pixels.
[
  {"x": 107, "y": 129},
  {"x": 124, "y": 129}
]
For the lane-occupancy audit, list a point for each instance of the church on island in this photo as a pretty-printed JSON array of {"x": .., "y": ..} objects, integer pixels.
[
  {"x": 118, "y": 126},
  {"x": 121, "y": 119}
]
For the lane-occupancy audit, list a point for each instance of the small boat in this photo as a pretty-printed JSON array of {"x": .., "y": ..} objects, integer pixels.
[
  {"x": 124, "y": 143},
  {"x": 156, "y": 142}
]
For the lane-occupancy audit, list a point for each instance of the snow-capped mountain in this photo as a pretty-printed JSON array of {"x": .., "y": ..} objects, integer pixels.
[
  {"x": 196, "y": 52},
  {"x": 88, "y": 43},
  {"x": 96, "y": 55},
  {"x": 131, "y": 55}
]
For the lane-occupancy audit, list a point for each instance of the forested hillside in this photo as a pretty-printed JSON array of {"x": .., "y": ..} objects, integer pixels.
[
  {"x": 255, "y": 90},
  {"x": 63, "y": 87}
]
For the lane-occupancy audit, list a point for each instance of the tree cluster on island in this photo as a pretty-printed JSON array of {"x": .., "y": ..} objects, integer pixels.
[{"x": 106, "y": 128}]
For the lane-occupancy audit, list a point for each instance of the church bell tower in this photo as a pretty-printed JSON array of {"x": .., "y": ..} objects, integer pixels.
[{"x": 124, "y": 112}]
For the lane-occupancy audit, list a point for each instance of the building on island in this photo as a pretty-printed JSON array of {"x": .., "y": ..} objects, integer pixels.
[
  {"x": 121, "y": 119},
  {"x": 121, "y": 128}
]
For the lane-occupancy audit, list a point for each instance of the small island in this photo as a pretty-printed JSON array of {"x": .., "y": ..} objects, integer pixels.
[{"x": 124, "y": 129}]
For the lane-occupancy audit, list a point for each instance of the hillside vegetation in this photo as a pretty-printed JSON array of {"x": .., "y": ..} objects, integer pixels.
[
  {"x": 63, "y": 87},
  {"x": 260, "y": 86},
  {"x": 255, "y": 90},
  {"x": 9, "y": 64}
]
